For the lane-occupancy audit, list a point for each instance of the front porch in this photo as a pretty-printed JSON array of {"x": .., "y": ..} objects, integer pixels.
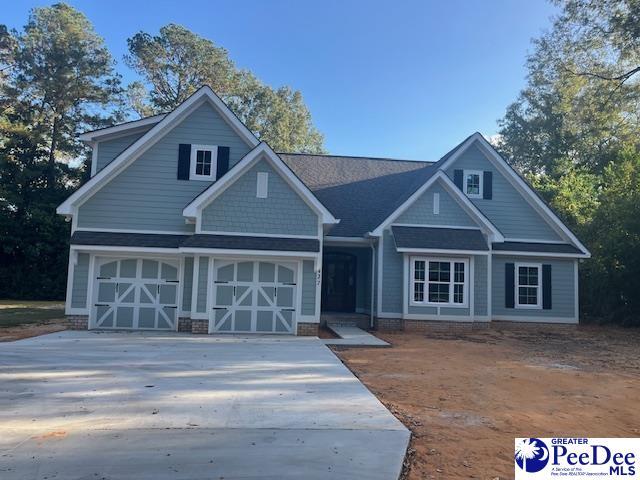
[{"x": 347, "y": 284}]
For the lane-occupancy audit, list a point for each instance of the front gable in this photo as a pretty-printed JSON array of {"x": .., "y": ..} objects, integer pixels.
[
  {"x": 507, "y": 209},
  {"x": 436, "y": 206},
  {"x": 147, "y": 194},
  {"x": 277, "y": 210}
]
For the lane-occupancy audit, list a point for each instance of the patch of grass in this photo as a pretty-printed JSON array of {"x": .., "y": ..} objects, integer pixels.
[{"x": 17, "y": 312}]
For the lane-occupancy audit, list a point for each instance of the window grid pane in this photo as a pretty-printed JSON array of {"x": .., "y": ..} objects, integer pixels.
[
  {"x": 203, "y": 162},
  {"x": 418, "y": 270},
  {"x": 473, "y": 184},
  {"x": 440, "y": 282}
]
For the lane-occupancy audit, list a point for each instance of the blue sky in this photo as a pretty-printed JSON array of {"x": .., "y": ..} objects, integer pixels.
[{"x": 400, "y": 79}]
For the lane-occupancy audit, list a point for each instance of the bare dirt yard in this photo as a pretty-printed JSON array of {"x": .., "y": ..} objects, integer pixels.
[
  {"x": 466, "y": 396},
  {"x": 23, "y": 319}
]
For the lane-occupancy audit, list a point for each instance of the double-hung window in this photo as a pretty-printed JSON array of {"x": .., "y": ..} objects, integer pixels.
[
  {"x": 473, "y": 183},
  {"x": 439, "y": 281},
  {"x": 528, "y": 281},
  {"x": 203, "y": 162}
]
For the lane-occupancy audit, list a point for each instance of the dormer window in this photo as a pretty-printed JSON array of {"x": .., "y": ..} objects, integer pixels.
[
  {"x": 473, "y": 183},
  {"x": 203, "y": 162}
]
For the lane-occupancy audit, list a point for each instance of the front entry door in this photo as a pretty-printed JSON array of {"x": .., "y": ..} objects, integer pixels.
[{"x": 339, "y": 282}]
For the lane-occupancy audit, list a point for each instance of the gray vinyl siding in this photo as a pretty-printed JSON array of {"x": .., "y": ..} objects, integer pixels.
[
  {"x": 507, "y": 210},
  {"x": 562, "y": 293},
  {"x": 480, "y": 285},
  {"x": 391, "y": 276},
  {"x": 421, "y": 211},
  {"x": 187, "y": 286},
  {"x": 147, "y": 195},
  {"x": 238, "y": 209},
  {"x": 80, "y": 281},
  {"x": 308, "y": 288},
  {"x": 363, "y": 274},
  {"x": 110, "y": 149},
  {"x": 420, "y": 310},
  {"x": 203, "y": 279}
]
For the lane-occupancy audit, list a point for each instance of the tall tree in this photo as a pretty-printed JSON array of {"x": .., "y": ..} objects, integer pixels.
[
  {"x": 574, "y": 132},
  {"x": 177, "y": 62},
  {"x": 581, "y": 101},
  {"x": 59, "y": 81}
]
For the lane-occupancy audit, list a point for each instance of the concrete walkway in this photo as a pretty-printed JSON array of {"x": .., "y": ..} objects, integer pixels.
[
  {"x": 353, "y": 336},
  {"x": 80, "y": 405}
]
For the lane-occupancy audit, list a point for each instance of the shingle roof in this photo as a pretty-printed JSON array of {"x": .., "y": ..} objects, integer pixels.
[
  {"x": 439, "y": 238},
  {"x": 242, "y": 242},
  {"x": 536, "y": 247},
  {"x": 155, "y": 240},
  {"x": 360, "y": 191},
  {"x": 151, "y": 240}
]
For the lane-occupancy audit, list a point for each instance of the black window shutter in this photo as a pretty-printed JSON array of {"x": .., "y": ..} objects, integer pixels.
[
  {"x": 457, "y": 178},
  {"x": 509, "y": 285},
  {"x": 223, "y": 162},
  {"x": 184, "y": 161},
  {"x": 487, "y": 187},
  {"x": 546, "y": 287}
]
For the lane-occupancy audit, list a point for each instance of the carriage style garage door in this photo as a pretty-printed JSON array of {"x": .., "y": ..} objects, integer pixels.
[
  {"x": 254, "y": 296},
  {"x": 135, "y": 294}
]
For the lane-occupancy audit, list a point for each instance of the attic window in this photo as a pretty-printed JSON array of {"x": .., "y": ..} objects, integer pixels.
[
  {"x": 473, "y": 180},
  {"x": 203, "y": 162}
]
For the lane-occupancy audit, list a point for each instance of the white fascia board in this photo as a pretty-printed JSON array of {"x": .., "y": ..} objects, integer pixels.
[
  {"x": 204, "y": 94},
  {"x": 528, "y": 194},
  {"x": 331, "y": 240},
  {"x": 194, "y": 209},
  {"x": 462, "y": 200},
  {"x": 121, "y": 129},
  {"x": 246, "y": 253},
  {"x": 111, "y": 249}
]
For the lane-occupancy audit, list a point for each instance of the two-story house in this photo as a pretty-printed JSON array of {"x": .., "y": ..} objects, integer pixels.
[{"x": 190, "y": 223}]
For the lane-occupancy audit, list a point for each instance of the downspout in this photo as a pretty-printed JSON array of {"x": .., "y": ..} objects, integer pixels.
[{"x": 373, "y": 282}]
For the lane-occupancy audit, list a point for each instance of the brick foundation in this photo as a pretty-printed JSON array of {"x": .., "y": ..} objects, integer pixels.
[
  {"x": 389, "y": 324},
  {"x": 199, "y": 326},
  {"x": 308, "y": 329},
  {"x": 78, "y": 322},
  {"x": 398, "y": 324},
  {"x": 443, "y": 326},
  {"x": 184, "y": 324}
]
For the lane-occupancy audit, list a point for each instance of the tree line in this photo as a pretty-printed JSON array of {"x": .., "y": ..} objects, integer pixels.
[
  {"x": 58, "y": 79},
  {"x": 573, "y": 132}
]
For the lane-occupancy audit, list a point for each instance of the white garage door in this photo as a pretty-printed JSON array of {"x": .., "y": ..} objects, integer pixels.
[
  {"x": 136, "y": 294},
  {"x": 254, "y": 296}
]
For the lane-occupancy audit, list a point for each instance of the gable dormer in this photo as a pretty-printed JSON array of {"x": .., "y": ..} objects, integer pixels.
[
  {"x": 502, "y": 196},
  {"x": 148, "y": 184}
]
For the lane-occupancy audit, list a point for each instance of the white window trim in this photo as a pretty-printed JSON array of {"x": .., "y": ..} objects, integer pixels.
[
  {"x": 262, "y": 185},
  {"x": 480, "y": 174},
  {"x": 436, "y": 203},
  {"x": 516, "y": 286},
  {"x": 452, "y": 261},
  {"x": 214, "y": 162}
]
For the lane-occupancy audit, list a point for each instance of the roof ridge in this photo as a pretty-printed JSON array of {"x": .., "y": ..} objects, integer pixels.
[{"x": 360, "y": 157}]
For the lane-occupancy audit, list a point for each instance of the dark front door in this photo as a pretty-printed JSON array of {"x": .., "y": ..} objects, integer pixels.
[{"x": 338, "y": 282}]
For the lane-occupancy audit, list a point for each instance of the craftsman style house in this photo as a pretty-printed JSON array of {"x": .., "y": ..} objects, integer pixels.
[{"x": 190, "y": 223}]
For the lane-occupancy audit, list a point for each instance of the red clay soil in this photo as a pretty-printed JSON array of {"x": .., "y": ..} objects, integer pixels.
[
  {"x": 466, "y": 396},
  {"x": 9, "y": 334}
]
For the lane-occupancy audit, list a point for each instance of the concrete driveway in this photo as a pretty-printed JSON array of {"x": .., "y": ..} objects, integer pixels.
[{"x": 88, "y": 405}]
